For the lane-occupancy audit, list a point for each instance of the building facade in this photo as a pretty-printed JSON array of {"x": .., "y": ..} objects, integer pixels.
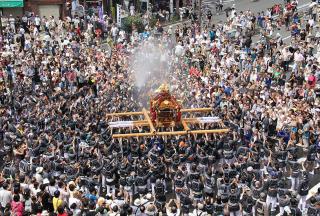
[
  {"x": 13, "y": 7},
  {"x": 56, "y": 8}
]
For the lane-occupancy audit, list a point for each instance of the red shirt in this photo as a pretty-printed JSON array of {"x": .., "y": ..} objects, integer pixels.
[
  {"x": 71, "y": 76},
  {"x": 17, "y": 208}
]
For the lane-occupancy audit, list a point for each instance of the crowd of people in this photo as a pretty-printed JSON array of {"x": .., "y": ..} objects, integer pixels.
[{"x": 59, "y": 79}]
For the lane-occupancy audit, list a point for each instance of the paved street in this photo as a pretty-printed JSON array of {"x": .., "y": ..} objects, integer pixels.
[
  {"x": 242, "y": 5},
  {"x": 257, "y": 6}
]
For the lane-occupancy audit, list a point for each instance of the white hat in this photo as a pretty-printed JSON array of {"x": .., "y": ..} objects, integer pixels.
[
  {"x": 148, "y": 196},
  {"x": 39, "y": 169},
  {"x": 45, "y": 181},
  {"x": 45, "y": 213},
  {"x": 250, "y": 168},
  {"x": 137, "y": 202}
]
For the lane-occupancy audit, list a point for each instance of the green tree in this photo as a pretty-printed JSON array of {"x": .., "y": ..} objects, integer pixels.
[{"x": 129, "y": 22}]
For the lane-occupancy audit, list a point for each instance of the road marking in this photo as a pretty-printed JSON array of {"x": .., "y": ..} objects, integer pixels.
[
  {"x": 286, "y": 38},
  {"x": 210, "y": 2}
]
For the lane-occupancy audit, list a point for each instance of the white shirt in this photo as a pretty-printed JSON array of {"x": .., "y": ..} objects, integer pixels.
[
  {"x": 311, "y": 22},
  {"x": 12, "y": 20},
  {"x": 173, "y": 214},
  {"x": 38, "y": 177},
  {"x": 298, "y": 57},
  {"x": 74, "y": 200},
  {"x": 5, "y": 197},
  {"x": 179, "y": 50},
  {"x": 114, "y": 31},
  {"x": 52, "y": 189},
  {"x": 63, "y": 194},
  {"x": 37, "y": 20}
]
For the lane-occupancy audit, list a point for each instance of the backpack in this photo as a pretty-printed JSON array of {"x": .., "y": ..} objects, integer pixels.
[
  {"x": 209, "y": 208},
  {"x": 140, "y": 181},
  {"x": 233, "y": 207},
  {"x": 159, "y": 189},
  {"x": 50, "y": 198},
  {"x": 195, "y": 186},
  {"x": 312, "y": 211},
  {"x": 179, "y": 183},
  {"x": 219, "y": 209},
  {"x": 122, "y": 181}
]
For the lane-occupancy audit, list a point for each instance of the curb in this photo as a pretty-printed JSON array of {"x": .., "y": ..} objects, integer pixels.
[{"x": 176, "y": 24}]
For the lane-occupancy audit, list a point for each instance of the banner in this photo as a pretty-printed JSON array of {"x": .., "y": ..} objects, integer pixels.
[
  {"x": 74, "y": 5},
  {"x": 100, "y": 12},
  {"x": 121, "y": 124},
  {"x": 11, "y": 3},
  {"x": 119, "y": 14},
  {"x": 209, "y": 119}
]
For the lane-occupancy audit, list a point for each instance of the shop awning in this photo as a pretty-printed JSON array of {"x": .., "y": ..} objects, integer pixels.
[{"x": 11, "y": 3}]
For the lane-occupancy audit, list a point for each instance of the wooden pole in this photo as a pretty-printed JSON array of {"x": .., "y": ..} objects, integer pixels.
[
  {"x": 141, "y": 123},
  {"x": 184, "y": 122},
  {"x": 147, "y": 117},
  {"x": 173, "y": 133},
  {"x": 124, "y": 114},
  {"x": 226, "y": 130},
  {"x": 115, "y": 136},
  {"x": 185, "y": 126},
  {"x": 208, "y": 109}
]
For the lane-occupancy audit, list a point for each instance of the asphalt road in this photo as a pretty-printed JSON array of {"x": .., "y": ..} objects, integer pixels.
[
  {"x": 243, "y": 5},
  {"x": 255, "y": 7}
]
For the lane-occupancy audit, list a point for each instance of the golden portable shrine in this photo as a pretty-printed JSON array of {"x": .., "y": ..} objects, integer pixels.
[{"x": 165, "y": 113}]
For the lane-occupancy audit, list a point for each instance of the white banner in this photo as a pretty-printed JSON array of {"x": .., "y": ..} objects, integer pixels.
[
  {"x": 120, "y": 124},
  {"x": 74, "y": 4},
  {"x": 119, "y": 14},
  {"x": 208, "y": 119}
]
